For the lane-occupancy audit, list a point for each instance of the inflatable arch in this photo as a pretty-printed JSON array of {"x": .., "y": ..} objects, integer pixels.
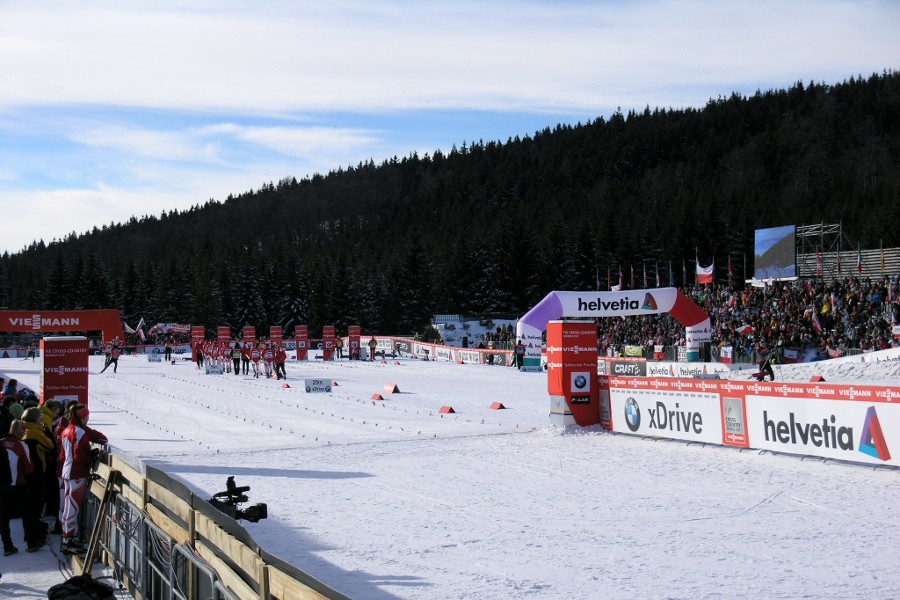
[{"x": 589, "y": 305}]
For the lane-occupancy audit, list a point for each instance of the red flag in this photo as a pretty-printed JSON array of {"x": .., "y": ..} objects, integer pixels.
[
  {"x": 858, "y": 260},
  {"x": 621, "y": 279},
  {"x": 818, "y": 264}
]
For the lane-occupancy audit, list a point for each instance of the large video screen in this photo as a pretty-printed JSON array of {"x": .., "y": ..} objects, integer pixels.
[{"x": 776, "y": 253}]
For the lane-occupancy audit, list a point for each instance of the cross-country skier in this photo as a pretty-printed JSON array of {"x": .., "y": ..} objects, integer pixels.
[
  {"x": 245, "y": 358},
  {"x": 280, "y": 359},
  {"x": 236, "y": 353},
  {"x": 268, "y": 356},
  {"x": 255, "y": 355}
]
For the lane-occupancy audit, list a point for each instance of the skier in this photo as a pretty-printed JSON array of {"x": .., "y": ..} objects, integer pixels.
[
  {"x": 245, "y": 358},
  {"x": 225, "y": 357},
  {"x": 765, "y": 369},
  {"x": 236, "y": 357},
  {"x": 199, "y": 348},
  {"x": 268, "y": 356},
  {"x": 255, "y": 355},
  {"x": 112, "y": 358},
  {"x": 280, "y": 359},
  {"x": 373, "y": 344}
]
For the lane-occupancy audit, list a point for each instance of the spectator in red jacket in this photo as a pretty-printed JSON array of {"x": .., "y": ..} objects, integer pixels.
[{"x": 75, "y": 459}]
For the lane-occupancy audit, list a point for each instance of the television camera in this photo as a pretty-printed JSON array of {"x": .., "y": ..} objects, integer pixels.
[{"x": 230, "y": 500}]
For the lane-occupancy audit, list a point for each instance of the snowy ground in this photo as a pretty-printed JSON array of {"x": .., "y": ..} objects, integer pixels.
[{"x": 392, "y": 499}]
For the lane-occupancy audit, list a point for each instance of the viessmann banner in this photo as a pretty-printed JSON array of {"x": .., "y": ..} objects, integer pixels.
[
  {"x": 54, "y": 321},
  {"x": 841, "y": 422}
]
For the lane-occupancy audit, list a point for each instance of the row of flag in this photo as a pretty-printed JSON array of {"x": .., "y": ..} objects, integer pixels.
[
  {"x": 705, "y": 275},
  {"x": 859, "y": 261}
]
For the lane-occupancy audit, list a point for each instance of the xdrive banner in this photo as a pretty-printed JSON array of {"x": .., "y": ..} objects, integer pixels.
[{"x": 840, "y": 422}]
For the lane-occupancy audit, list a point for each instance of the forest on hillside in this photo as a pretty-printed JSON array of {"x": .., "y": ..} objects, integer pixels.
[{"x": 494, "y": 226}]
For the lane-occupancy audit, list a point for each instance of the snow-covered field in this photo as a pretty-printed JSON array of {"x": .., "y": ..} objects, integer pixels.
[{"x": 392, "y": 499}]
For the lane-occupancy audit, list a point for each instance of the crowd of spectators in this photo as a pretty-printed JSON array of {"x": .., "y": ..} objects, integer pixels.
[
  {"x": 832, "y": 319},
  {"x": 45, "y": 460}
]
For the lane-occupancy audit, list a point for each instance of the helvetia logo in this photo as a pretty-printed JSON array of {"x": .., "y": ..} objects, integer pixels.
[
  {"x": 632, "y": 414},
  {"x": 649, "y": 302},
  {"x": 872, "y": 441}
]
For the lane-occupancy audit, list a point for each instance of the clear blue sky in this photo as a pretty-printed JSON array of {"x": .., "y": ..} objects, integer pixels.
[{"x": 112, "y": 109}]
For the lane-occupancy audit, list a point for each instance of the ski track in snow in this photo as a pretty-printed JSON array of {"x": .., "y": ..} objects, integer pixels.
[{"x": 391, "y": 499}]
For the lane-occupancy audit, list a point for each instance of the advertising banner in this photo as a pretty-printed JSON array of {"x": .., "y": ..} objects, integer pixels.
[
  {"x": 54, "y": 321},
  {"x": 313, "y": 386},
  {"x": 854, "y": 431},
  {"x": 223, "y": 334},
  {"x": 689, "y": 415},
  {"x": 593, "y": 305},
  {"x": 275, "y": 333},
  {"x": 734, "y": 421},
  {"x": 248, "y": 333},
  {"x": 572, "y": 372},
  {"x": 842, "y": 422},
  {"x": 354, "y": 334},
  {"x": 328, "y": 338},
  {"x": 685, "y": 370},
  {"x": 64, "y": 369},
  {"x": 301, "y": 338},
  {"x": 626, "y": 368}
]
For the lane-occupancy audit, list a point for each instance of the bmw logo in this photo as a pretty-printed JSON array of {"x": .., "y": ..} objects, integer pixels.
[
  {"x": 632, "y": 414},
  {"x": 580, "y": 382}
]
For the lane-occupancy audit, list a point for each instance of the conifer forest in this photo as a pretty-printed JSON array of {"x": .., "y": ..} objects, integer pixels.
[{"x": 493, "y": 226}]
